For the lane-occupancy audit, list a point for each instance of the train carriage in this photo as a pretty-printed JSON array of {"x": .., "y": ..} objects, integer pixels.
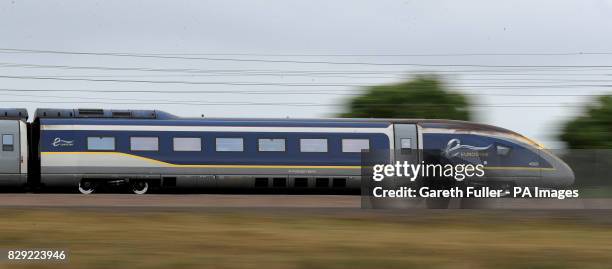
[
  {"x": 154, "y": 148},
  {"x": 14, "y": 150}
]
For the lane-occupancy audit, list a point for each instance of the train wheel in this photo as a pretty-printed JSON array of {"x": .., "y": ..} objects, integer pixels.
[
  {"x": 139, "y": 187},
  {"x": 87, "y": 187}
]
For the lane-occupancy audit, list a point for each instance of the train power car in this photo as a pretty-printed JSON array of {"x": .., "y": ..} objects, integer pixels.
[
  {"x": 14, "y": 150},
  {"x": 87, "y": 148}
]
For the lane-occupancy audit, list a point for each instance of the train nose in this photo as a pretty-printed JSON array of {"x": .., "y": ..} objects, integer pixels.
[{"x": 561, "y": 175}]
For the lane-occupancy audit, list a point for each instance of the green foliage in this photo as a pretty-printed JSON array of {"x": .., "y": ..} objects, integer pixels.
[
  {"x": 424, "y": 97},
  {"x": 593, "y": 130}
]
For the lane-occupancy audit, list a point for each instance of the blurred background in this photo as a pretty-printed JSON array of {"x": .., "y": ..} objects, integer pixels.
[{"x": 532, "y": 67}]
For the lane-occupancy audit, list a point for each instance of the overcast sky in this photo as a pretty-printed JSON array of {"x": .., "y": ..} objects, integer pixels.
[{"x": 385, "y": 38}]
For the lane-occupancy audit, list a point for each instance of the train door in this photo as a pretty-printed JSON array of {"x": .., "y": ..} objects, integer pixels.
[
  {"x": 406, "y": 149},
  {"x": 406, "y": 143},
  {"x": 10, "y": 151}
]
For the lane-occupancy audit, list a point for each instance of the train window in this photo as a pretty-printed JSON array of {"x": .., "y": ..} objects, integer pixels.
[
  {"x": 100, "y": 143},
  {"x": 144, "y": 143},
  {"x": 8, "y": 143},
  {"x": 503, "y": 150},
  {"x": 187, "y": 144},
  {"x": 271, "y": 144},
  {"x": 406, "y": 143},
  {"x": 230, "y": 144},
  {"x": 355, "y": 145},
  {"x": 313, "y": 145}
]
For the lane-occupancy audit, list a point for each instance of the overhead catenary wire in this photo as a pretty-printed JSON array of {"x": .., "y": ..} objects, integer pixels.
[
  {"x": 12, "y": 91},
  {"x": 267, "y": 92},
  {"x": 507, "y": 80},
  {"x": 251, "y": 83},
  {"x": 298, "y": 71},
  {"x": 327, "y": 87},
  {"x": 139, "y": 55},
  {"x": 192, "y": 100},
  {"x": 285, "y": 104},
  {"x": 575, "y": 53}
]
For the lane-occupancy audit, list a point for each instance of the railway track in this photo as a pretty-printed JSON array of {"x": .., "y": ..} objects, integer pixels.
[{"x": 178, "y": 201}]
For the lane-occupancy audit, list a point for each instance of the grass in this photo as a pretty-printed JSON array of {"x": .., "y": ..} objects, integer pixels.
[{"x": 358, "y": 239}]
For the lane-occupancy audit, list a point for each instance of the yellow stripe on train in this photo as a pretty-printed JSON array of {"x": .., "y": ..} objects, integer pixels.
[{"x": 255, "y": 166}]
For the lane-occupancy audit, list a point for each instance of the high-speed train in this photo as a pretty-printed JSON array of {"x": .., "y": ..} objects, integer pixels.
[{"x": 144, "y": 149}]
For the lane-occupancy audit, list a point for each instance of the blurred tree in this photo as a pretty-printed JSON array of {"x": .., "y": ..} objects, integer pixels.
[
  {"x": 593, "y": 130},
  {"x": 423, "y": 97}
]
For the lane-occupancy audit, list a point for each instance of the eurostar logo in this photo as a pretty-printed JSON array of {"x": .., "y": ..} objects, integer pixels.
[
  {"x": 58, "y": 142},
  {"x": 454, "y": 148}
]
